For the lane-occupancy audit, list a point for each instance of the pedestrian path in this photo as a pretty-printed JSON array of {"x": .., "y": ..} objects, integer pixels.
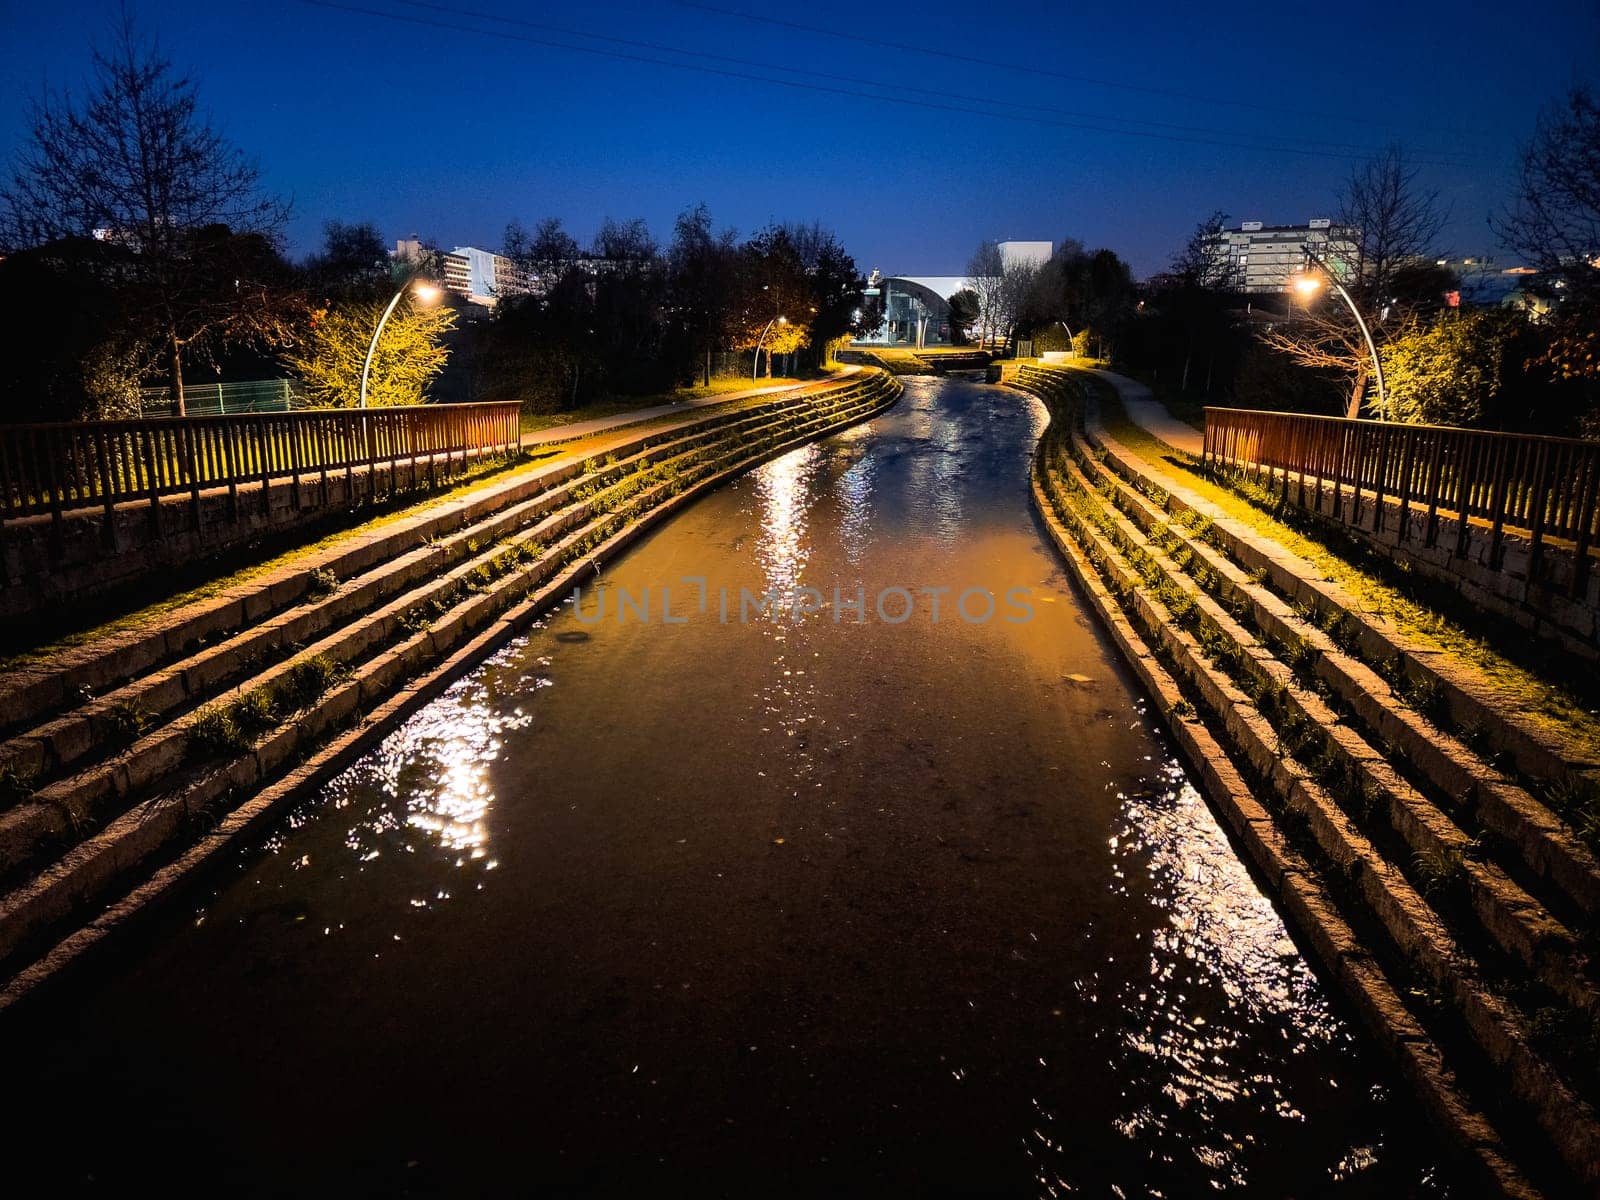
[
  {"x": 1145, "y": 411},
  {"x": 582, "y": 429}
]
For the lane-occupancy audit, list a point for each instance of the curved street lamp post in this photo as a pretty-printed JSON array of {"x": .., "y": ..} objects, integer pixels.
[
  {"x": 425, "y": 292},
  {"x": 755, "y": 367},
  {"x": 1308, "y": 285}
]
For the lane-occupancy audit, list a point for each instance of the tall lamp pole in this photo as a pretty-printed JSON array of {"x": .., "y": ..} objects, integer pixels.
[
  {"x": 425, "y": 292},
  {"x": 1308, "y": 285},
  {"x": 755, "y": 367}
]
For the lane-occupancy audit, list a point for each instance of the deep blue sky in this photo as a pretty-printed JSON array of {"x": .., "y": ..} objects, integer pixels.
[{"x": 449, "y": 134}]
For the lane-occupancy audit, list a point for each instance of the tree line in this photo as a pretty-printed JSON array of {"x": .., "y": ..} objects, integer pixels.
[
  {"x": 138, "y": 243},
  {"x": 628, "y": 316}
]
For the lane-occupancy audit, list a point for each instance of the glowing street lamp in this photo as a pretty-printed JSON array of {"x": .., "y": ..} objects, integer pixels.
[
  {"x": 425, "y": 293},
  {"x": 755, "y": 367},
  {"x": 1308, "y": 285}
]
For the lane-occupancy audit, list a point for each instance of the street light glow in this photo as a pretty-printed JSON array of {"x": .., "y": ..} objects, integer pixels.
[
  {"x": 426, "y": 293},
  {"x": 1307, "y": 285}
]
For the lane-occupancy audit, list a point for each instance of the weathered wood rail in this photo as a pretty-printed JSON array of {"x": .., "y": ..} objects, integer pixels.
[
  {"x": 63, "y": 466},
  {"x": 1539, "y": 488}
]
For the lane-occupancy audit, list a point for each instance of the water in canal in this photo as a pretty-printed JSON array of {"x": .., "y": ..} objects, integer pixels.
[{"x": 790, "y": 906}]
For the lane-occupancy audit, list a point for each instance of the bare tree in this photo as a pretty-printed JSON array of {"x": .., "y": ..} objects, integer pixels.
[
  {"x": 986, "y": 271},
  {"x": 1017, "y": 282},
  {"x": 138, "y": 163},
  {"x": 702, "y": 270},
  {"x": 1555, "y": 225},
  {"x": 1554, "y": 222},
  {"x": 1204, "y": 280},
  {"x": 1380, "y": 249}
]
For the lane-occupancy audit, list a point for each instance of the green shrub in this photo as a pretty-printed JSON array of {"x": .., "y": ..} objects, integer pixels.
[{"x": 304, "y": 683}]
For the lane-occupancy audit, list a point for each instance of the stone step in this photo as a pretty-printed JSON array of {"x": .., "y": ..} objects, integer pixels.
[
  {"x": 79, "y": 801},
  {"x": 1313, "y": 915},
  {"x": 1548, "y": 847},
  {"x": 31, "y": 693},
  {"x": 42, "y": 911},
  {"x": 69, "y": 739},
  {"x": 1540, "y": 750},
  {"x": 1414, "y": 930},
  {"x": 1517, "y": 922}
]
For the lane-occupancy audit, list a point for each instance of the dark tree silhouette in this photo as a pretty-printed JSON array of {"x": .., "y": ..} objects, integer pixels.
[{"x": 137, "y": 163}]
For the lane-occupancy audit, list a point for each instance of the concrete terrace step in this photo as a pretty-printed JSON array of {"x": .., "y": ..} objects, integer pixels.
[
  {"x": 52, "y": 909},
  {"x": 1419, "y": 938},
  {"x": 1462, "y": 954},
  {"x": 71, "y": 803},
  {"x": 29, "y": 692},
  {"x": 1292, "y": 879},
  {"x": 1519, "y": 924},
  {"x": 63, "y": 741}
]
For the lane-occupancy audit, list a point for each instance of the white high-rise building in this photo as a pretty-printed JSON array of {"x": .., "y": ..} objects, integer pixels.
[
  {"x": 1265, "y": 258},
  {"x": 482, "y": 276},
  {"x": 1028, "y": 254}
]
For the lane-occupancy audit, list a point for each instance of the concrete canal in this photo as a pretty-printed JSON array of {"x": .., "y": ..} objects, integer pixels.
[{"x": 805, "y": 903}]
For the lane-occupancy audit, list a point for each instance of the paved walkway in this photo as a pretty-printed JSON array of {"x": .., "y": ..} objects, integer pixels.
[
  {"x": 1152, "y": 416},
  {"x": 583, "y": 429}
]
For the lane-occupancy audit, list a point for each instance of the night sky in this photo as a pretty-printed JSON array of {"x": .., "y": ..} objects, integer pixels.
[{"x": 449, "y": 133}]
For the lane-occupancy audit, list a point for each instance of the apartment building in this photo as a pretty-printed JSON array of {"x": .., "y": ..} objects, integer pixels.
[{"x": 1264, "y": 258}]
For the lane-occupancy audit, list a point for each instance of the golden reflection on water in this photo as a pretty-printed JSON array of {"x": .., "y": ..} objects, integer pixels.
[
  {"x": 933, "y": 480},
  {"x": 854, "y": 488},
  {"x": 1222, "y": 939},
  {"x": 783, "y": 494},
  {"x": 785, "y": 489},
  {"x": 434, "y": 771}
]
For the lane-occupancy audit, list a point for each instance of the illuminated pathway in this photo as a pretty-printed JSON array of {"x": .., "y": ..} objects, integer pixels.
[
  {"x": 1145, "y": 410},
  {"x": 790, "y": 907}
]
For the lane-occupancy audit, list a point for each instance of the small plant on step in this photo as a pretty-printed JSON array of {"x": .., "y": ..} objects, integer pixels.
[
  {"x": 1439, "y": 870},
  {"x": 1577, "y": 801},
  {"x": 127, "y": 719},
  {"x": 254, "y": 713},
  {"x": 413, "y": 621},
  {"x": 306, "y": 681},
  {"x": 321, "y": 582},
  {"x": 16, "y": 785},
  {"x": 213, "y": 734}
]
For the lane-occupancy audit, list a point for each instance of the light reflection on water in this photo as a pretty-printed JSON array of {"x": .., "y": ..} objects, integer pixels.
[
  {"x": 934, "y": 446},
  {"x": 431, "y": 776},
  {"x": 854, "y": 491},
  {"x": 1187, "y": 1071},
  {"x": 783, "y": 489}
]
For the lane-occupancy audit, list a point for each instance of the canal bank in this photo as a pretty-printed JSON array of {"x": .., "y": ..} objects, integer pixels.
[
  {"x": 1435, "y": 881},
  {"x": 797, "y": 904}
]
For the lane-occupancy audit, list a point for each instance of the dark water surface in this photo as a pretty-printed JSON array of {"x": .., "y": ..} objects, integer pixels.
[{"x": 790, "y": 907}]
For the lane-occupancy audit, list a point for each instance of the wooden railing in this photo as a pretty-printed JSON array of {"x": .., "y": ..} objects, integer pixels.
[
  {"x": 58, "y": 467},
  {"x": 1536, "y": 487}
]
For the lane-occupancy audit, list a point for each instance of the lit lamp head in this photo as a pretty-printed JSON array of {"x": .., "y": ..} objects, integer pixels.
[
  {"x": 426, "y": 293},
  {"x": 1307, "y": 285},
  {"x": 783, "y": 320}
]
